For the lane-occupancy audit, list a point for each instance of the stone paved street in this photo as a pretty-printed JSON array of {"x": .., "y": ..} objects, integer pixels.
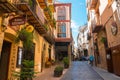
[
  {"x": 77, "y": 71},
  {"x": 81, "y": 71}
]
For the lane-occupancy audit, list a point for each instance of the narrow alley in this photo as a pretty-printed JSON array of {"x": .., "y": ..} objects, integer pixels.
[
  {"x": 59, "y": 39},
  {"x": 79, "y": 70}
]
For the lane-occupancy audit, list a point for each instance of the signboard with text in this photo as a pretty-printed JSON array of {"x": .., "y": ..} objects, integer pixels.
[{"x": 17, "y": 21}]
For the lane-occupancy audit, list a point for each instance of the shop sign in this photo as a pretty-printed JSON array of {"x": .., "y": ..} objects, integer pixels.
[{"x": 17, "y": 21}]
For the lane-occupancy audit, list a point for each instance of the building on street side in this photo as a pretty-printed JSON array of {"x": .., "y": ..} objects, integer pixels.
[
  {"x": 63, "y": 34},
  {"x": 38, "y": 18},
  {"x": 105, "y": 32},
  {"x": 82, "y": 41}
]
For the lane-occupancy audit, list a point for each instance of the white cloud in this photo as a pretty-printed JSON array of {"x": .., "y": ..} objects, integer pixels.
[{"x": 74, "y": 24}]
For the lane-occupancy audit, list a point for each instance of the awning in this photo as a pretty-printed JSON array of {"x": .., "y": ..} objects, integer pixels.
[
  {"x": 32, "y": 18},
  {"x": 7, "y": 7},
  {"x": 63, "y": 39},
  {"x": 96, "y": 28}
]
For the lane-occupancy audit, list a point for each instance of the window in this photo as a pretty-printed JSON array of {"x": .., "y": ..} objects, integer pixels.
[
  {"x": 61, "y": 30},
  {"x": 61, "y": 13},
  {"x": 19, "y": 57}
]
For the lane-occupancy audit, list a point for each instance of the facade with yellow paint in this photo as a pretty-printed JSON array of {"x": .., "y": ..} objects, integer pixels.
[{"x": 36, "y": 15}]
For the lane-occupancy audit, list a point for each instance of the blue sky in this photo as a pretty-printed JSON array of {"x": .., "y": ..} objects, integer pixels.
[{"x": 78, "y": 16}]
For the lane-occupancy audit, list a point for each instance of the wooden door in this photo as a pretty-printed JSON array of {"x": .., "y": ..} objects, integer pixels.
[
  {"x": 109, "y": 60},
  {"x": 4, "y": 60},
  {"x": 116, "y": 63}
]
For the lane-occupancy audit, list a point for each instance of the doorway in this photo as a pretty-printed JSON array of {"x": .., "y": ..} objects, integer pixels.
[
  {"x": 109, "y": 60},
  {"x": 43, "y": 57},
  {"x": 116, "y": 61},
  {"x": 4, "y": 60}
]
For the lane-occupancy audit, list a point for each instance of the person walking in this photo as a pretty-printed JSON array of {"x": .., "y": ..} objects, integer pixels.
[{"x": 91, "y": 59}]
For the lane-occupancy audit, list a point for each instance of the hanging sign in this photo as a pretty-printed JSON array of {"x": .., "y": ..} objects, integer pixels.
[{"x": 17, "y": 21}]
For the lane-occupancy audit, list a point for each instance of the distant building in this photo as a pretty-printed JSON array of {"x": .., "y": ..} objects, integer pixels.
[
  {"x": 82, "y": 41},
  {"x": 63, "y": 33}
]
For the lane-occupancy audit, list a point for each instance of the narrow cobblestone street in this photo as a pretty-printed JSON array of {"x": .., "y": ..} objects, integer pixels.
[
  {"x": 77, "y": 71},
  {"x": 81, "y": 71}
]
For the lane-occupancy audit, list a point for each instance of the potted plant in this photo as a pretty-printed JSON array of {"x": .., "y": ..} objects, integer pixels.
[
  {"x": 66, "y": 62},
  {"x": 58, "y": 71}
]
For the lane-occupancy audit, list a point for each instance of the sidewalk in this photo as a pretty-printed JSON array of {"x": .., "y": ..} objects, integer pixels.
[
  {"x": 106, "y": 75},
  {"x": 48, "y": 74}
]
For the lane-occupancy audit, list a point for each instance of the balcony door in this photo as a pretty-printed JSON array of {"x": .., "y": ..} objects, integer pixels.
[{"x": 61, "y": 30}]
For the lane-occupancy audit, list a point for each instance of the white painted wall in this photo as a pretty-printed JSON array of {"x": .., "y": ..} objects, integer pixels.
[
  {"x": 114, "y": 6},
  {"x": 82, "y": 38},
  {"x": 103, "y": 4}
]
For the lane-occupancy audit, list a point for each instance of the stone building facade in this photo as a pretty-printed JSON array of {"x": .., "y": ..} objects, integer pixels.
[
  {"x": 37, "y": 15},
  {"x": 105, "y": 28}
]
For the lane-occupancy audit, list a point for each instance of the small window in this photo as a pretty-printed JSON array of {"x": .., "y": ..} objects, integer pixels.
[{"x": 61, "y": 13}]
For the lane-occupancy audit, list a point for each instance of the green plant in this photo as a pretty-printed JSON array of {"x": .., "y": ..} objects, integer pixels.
[
  {"x": 27, "y": 40},
  {"x": 58, "y": 71},
  {"x": 30, "y": 2},
  {"x": 45, "y": 26},
  {"x": 47, "y": 9},
  {"x": 28, "y": 71},
  {"x": 54, "y": 22},
  {"x": 66, "y": 62},
  {"x": 103, "y": 39}
]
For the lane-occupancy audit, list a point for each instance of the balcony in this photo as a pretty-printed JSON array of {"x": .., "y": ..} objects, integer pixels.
[
  {"x": 48, "y": 13},
  {"x": 43, "y": 3},
  {"x": 7, "y": 7},
  {"x": 53, "y": 23},
  {"x": 52, "y": 7},
  {"x": 49, "y": 36},
  {"x": 96, "y": 26},
  {"x": 30, "y": 9}
]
